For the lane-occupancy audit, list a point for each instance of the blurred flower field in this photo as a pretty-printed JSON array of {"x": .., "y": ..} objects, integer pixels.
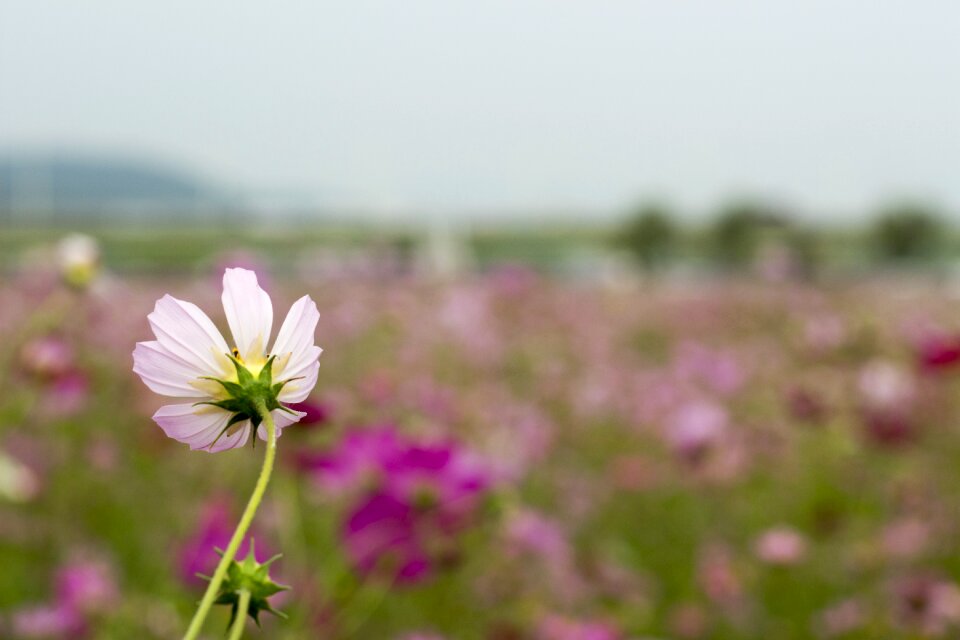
[{"x": 504, "y": 456}]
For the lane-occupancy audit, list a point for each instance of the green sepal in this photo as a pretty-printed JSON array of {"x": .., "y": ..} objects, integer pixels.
[
  {"x": 253, "y": 577},
  {"x": 245, "y": 395},
  {"x": 230, "y": 387},
  {"x": 266, "y": 374},
  {"x": 280, "y": 385},
  {"x": 244, "y": 377}
]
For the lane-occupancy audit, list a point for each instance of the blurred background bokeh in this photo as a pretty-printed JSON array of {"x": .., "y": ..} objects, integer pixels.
[{"x": 664, "y": 299}]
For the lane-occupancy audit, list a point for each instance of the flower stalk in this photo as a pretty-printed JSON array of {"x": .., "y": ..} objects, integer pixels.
[
  {"x": 246, "y": 519},
  {"x": 240, "y": 616}
]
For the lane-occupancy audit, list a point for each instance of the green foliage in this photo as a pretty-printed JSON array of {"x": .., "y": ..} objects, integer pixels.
[
  {"x": 650, "y": 235},
  {"x": 907, "y": 233},
  {"x": 736, "y": 233}
]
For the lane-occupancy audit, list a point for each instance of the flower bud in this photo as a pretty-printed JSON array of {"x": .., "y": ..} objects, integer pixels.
[
  {"x": 254, "y": 578},
  {"x": 79, "y": 260}
]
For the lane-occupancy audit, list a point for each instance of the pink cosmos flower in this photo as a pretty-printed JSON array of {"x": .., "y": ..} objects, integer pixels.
[
  {"x": 926, "y": 603},
  {"x": 315, "y": 414},
  {"x": 47, "y": 357},
  {"x": 83, "y": 591},
  {"x": 938, "y": 351},
  {"x": 190, "y": 355},
  {"x": 67, "y": 395},
  {"x": 806, "y": 405},
  {"x": 198, "y": 555},
  {"x": 415, "y": 497},
  {"x": 557, "y": 627},
  {"x": 47, "y": 621},
  {"x": 781, "y": 546},
  {"x": 87, "y": 587},
  {"x": 885, "y": 386},
  {"x": 696, "y": 427}
]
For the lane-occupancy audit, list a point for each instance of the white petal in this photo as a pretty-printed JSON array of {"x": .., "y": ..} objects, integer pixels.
[
  {"x": 296, "y": 334},
  {"x": 187, "y": 333},
  {"x": 241, "y": 433},
  {"x": 281, "y": 419},
  {"x": 301, "y": 367},
  {"x": 165, "y": 373},
  {"x": 249, "y": 312},
  {"x": 297, "y": 390},
  {"x": 199, "y": 426}
]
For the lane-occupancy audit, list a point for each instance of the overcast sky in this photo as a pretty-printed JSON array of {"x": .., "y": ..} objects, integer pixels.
[{"x": 498, "y": 105}]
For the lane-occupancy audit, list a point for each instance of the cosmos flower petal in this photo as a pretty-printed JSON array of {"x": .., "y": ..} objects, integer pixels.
[
  {"x": 296, "y": 335},
  {"x": 281, "y": 419},
  {"x": 197, "y": 426},
  {"x": 302, "y": 366},
  {"x": 165, "y": 373},
  {"x": 186, "y": 332},
  {"x": 249, "y": 312},
  {"x": 299, "y": 388},
  {"x": 234, "y": 440}
]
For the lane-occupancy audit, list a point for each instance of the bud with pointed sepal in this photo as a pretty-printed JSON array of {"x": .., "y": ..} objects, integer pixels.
[{"x": 254, "y": 578}]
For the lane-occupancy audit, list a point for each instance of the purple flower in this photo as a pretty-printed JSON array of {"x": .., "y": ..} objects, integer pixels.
[
  {"x": 68, "y": 394},
  {"x": 86, "y": 587},
  {"x": 381, "y": 534},
  {"x": 360, "y": 459},
  {"x": 414, "y": 498},
  {"x": 314, "y": 413},
  {"x": 198, "y": 553},
  {"x": 938, "y": 353},
  {"x": 83, "y": 590}
]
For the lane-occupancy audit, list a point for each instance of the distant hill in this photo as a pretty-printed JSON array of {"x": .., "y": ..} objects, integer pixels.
[{"x": 65, "y": 184}]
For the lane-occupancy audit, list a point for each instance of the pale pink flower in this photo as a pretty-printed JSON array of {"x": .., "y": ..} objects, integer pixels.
[
  {"x": 718, "y": 576},
  {"x": 906, "y": 538},
  {"x": 842, "y": 618},
  {"x": 47, "y": 357},
  {"x": 558, "y": 627},
  {"x": 696, "y": 427},
  {"x": 927, "y": 603},
  {"x": 781, "y": 546},
  {"x": 190, "y": 352},
  {"x": 886, "y": 386}
]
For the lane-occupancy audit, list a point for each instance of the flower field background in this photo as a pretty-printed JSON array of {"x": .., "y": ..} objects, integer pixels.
[{"x": 502, "y": 454}]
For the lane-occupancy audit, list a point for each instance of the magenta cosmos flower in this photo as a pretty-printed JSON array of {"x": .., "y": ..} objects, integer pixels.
[{"x": 190, "y": 359}]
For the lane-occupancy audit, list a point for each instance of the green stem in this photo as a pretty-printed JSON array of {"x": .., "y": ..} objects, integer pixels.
[
  {"x": 236, "y": 630},
  {"x": 211, "y": 594}
]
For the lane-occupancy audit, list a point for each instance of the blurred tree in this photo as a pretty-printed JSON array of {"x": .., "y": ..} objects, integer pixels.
[
  {"x": 737, "y": 231},
  {"x": 806, "y": 247},
  {"x": 650, "y": 235},
  {"x": 907, "y": 232}
]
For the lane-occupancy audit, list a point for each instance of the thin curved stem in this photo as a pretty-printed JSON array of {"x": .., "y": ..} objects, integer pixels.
[
  {"x": 228, "y": 554},
  {"x": 236, "y": 630}
]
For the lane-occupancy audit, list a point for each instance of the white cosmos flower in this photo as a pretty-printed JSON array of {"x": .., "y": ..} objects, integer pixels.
[
  {"x": 78, "y": 256},
  {"x": 189, "y": 351}
]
